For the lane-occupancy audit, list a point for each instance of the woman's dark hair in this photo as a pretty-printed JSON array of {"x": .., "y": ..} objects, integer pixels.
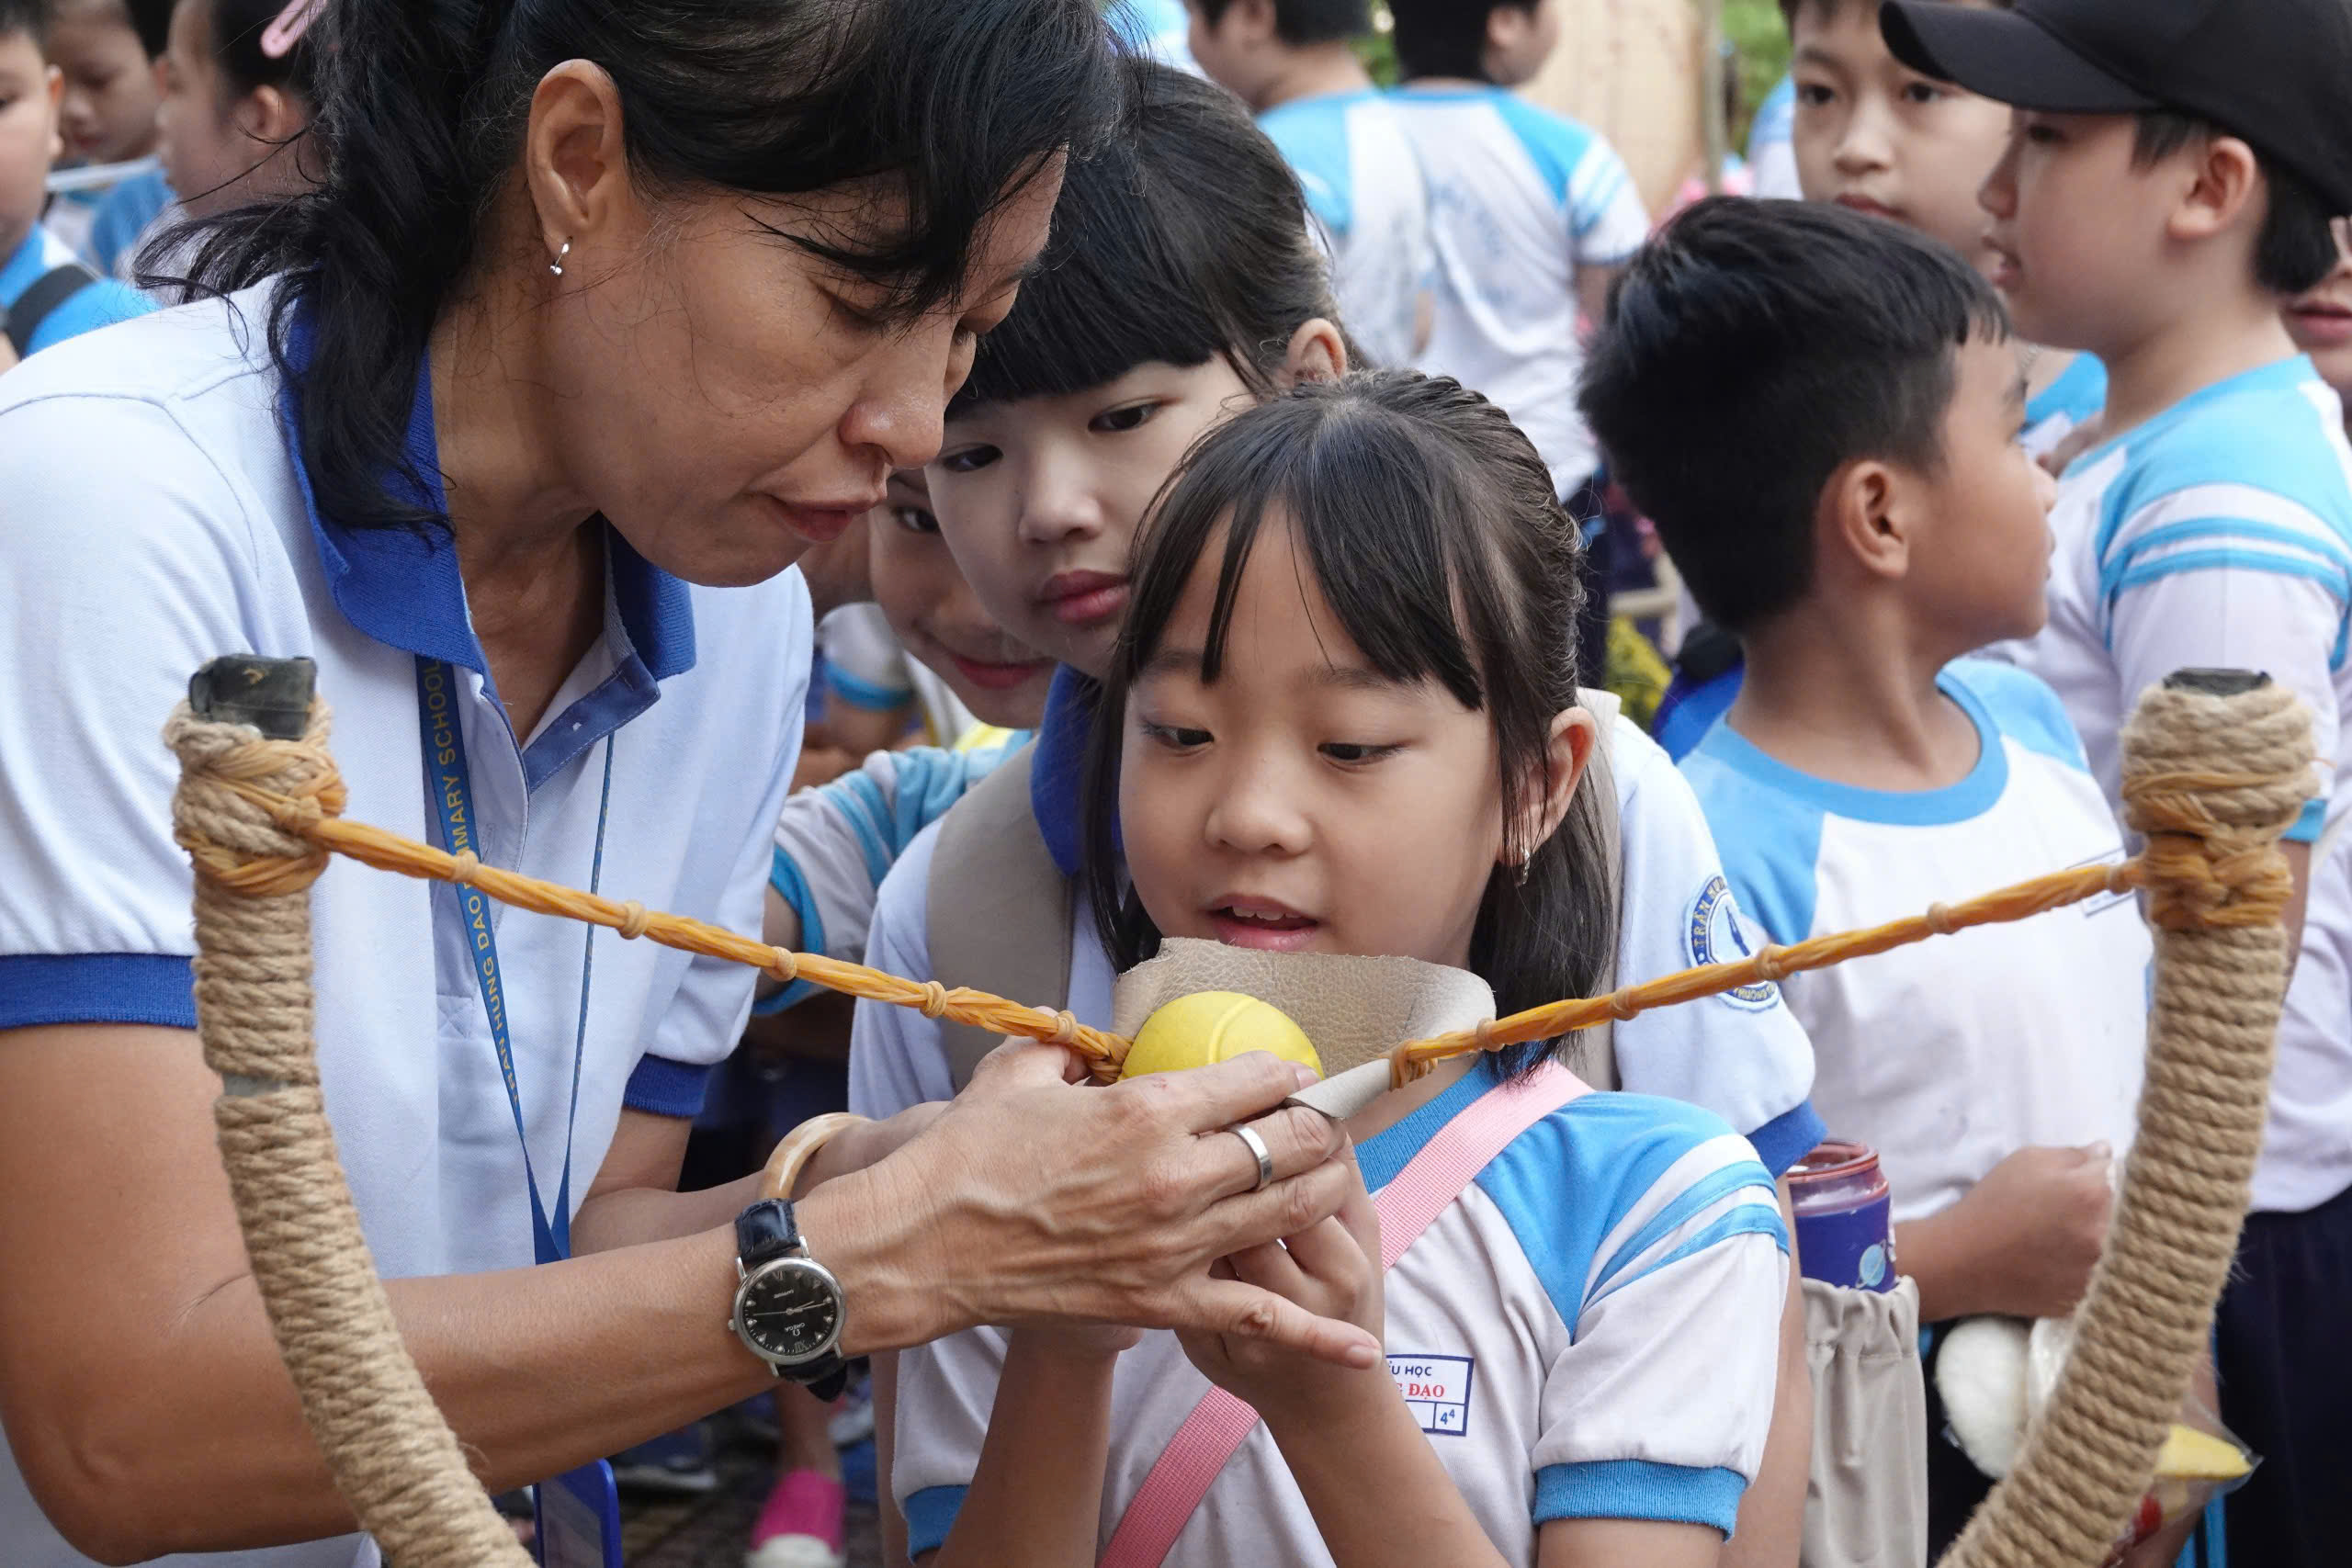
[
  {"x": 237, "y": 28},
  {"x": 422, "y": 105},
  {"x": 1183, "y": 237},
  {"x": 1751, "y": 349},
  {"x": 1445, "y": 38},
  {"x": 1430, "y": 525},
  {"x": 2296, "y": 246}
]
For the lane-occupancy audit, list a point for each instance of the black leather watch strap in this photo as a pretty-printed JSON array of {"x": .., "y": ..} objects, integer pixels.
[{"x": 765, "y": 1230}]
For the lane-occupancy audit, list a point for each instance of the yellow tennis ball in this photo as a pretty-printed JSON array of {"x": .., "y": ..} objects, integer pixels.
[{"x": 1215, "y": 1026}]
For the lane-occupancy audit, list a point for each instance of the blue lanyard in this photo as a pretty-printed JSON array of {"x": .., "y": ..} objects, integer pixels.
[{"x": 452, "y": 792}]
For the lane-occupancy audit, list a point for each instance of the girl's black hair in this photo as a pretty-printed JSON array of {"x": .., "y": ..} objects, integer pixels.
[
  {"x": 422, "y": 105},
  {"x": 237, "y": 28},
  {"x": 1184, "y": 237},
  {"x": 1430, "y": 524}
]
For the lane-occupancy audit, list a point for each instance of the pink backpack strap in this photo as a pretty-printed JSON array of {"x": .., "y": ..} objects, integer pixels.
[{"x": 1425, "y": 1188}]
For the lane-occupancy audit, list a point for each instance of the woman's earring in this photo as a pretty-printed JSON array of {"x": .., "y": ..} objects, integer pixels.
[
  {"x": 1519, "y": 872},
  {"x": 555, "y": 266}
]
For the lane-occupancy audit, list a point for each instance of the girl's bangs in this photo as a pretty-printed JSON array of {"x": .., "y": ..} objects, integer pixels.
[{"x": 1368, "y": 509}]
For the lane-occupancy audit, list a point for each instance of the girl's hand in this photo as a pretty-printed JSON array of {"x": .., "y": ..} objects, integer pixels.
[{"x": 1332, "y": 1269}]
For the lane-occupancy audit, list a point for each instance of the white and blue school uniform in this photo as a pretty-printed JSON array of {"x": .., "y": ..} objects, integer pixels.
[
  {"x": 2220, "y": 533},
  {"x": 1520, "y": 199},
  {"x": 866, "y": 667},
  {"x": 1589, "y": 1331},
  {"x": 835, "y": 843},
  {"x": 122, "y": 219},
  {"x": 1742, "y": 1056},
  {"x": 657, "y": 774},
  {"x": 100, "y": 302},
  {"x": 1771, "y": 143},
  {"x": 1371, "y": 210},
  {"x": 1949, "y": 1056},
  {"x": 2077, "y": 397}
]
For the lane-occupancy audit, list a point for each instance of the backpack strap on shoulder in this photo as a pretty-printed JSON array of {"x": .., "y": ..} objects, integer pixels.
[
  {"x": 999, "y": 913},
  {"x": 45, "y": 294},
  {"x": 1594, "y": 1055}
]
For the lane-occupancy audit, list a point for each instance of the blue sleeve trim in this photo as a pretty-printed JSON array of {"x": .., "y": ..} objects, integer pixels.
[
  {"x": 1748, "y": 1219},
  {"x": 1639, "y": 1489},
  {"x": 660, "y": 1086},
  {"x": 1788, "y": 1137},
  {"x": 156, "y": 989},
  {"x": 1713, "y": 1188},
  {"x": 871, "y": 695},
  {"x": 931, "y": 1514},
  {"x": 2333, "y": 578},
  {"x": 784, "y": 875},
  {"x": 2307, "y": 822}
]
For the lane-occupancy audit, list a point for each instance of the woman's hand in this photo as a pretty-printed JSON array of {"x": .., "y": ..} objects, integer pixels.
[
  {"x": 1031, "y": 1199},
  {"x": 1332, "y": 1269}
]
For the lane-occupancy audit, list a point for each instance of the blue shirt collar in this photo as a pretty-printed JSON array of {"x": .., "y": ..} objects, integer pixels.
[
  {"x": 400, "y": 586},
  {"x": 1057, "y": 767}
]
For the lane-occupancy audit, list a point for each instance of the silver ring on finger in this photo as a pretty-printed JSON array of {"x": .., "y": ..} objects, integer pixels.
[{"x": 1258, "y": 1147}]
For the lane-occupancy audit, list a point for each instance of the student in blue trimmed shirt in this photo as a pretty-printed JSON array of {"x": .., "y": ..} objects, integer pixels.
[
  {"x": 2162, "y": 222},
  {"x": 1293, "y": 62},
  {"x": 46, "y": 296},
  {"x": 1866, "y": 516}
]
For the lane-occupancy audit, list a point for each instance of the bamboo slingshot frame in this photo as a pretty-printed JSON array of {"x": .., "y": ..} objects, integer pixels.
[{"x": 2216, "y": 766}]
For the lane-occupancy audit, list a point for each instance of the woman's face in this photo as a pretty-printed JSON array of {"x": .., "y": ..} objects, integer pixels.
[
  {"x": 726, "y": 400},
  {"x": 1040, "y": 499}
]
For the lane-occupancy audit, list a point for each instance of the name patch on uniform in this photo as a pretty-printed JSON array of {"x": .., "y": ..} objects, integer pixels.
[
  {"x": 1436, "y": 1390},
  {"x": 2099, "y": 903},
  {"x": 1712, "y": 935}
]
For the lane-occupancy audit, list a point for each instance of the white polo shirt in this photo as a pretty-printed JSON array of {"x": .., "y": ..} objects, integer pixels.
[
  {"x": 1369, "y": 209},
  {"x": 154, "y": 520},
  {"x": 1520, "y": 200}
]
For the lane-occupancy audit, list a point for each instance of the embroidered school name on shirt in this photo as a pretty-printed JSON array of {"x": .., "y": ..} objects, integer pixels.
[{"x": 1436, "y": 1390}]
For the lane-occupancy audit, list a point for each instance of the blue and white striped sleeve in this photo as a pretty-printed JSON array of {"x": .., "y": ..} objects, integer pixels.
[
  {"x": 1658, "y": 1409},
  {"x": 1607, "y": 222},
  {"x": 865, "y": 666},
  {"x": 2234, "y": 576}
]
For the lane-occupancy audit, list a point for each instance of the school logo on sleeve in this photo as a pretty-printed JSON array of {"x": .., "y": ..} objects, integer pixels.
[
  {"x": 1713, "y": 936},
  {"x": 1436, "y": 1390}
]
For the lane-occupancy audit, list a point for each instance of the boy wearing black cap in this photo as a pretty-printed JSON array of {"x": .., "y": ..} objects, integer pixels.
[{"x": 2172, "y": 170}]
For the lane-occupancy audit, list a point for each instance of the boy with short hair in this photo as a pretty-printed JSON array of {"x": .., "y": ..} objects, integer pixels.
[
  {"x": 1531, "y": 216},
  {"x": 1870, "y": 133},
  {"x": 108, "y": 52},
  {"x": 1864, "y": 518},
  {"x": 2169, "y": 186},
  {"x": 1293, "y": 62},
  {"x": 46, "y": 296}
]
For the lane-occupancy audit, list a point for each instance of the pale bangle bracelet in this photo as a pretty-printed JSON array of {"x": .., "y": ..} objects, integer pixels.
[{"x": 797, "y": 1148}]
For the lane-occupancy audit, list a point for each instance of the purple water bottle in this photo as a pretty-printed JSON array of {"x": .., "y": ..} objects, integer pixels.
[{"x": 1845, "y": 1228}]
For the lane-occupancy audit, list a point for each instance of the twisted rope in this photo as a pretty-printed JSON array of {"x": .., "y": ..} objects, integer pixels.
[
  {"x": 240, "y": 813},
  {"x": 2212, "y": 782}
]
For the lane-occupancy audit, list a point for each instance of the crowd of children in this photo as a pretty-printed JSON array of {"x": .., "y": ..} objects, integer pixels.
[{"x": 1256, "y": 594}]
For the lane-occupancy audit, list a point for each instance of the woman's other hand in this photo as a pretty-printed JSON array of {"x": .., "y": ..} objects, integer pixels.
[{"x": 1035, "y": 1199}]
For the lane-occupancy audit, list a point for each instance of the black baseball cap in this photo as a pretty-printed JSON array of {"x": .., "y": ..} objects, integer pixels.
[{"x": 2276, "y": 72}]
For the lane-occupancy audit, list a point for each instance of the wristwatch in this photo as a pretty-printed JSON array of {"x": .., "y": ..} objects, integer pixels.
[{"x": 789, "y": 1306}]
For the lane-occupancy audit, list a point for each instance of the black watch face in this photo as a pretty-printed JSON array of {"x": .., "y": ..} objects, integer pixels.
[{"x": 791, "y": 1310}]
